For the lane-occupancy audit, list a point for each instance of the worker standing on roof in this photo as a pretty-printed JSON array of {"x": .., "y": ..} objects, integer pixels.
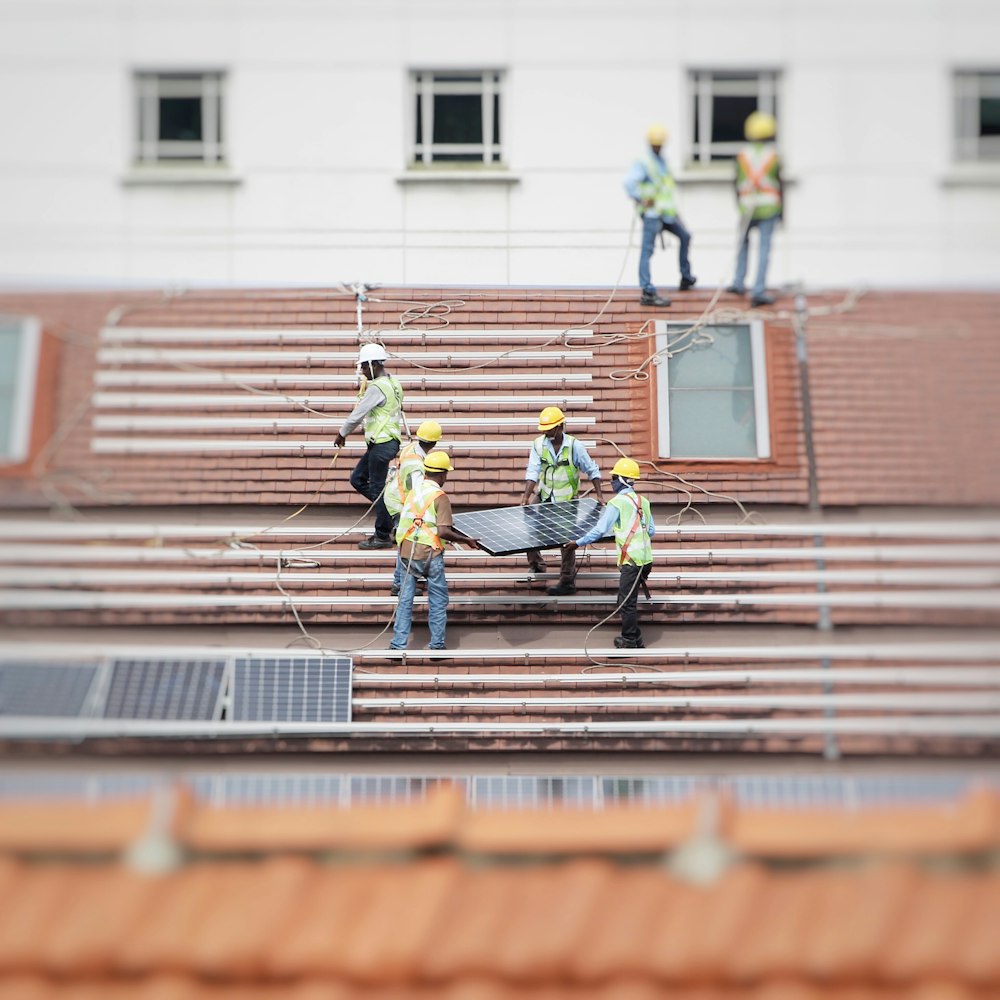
[
  {"x": 425, "y": 524},
  {"x": 380, "y": 408},
  {"x": 650, "y": 184},
  {"x": 760, "y": 196},
  {"x": 554, "y": 467},
  {"x": 631, "y": 519},
  {"x": 405, "y": 474}
]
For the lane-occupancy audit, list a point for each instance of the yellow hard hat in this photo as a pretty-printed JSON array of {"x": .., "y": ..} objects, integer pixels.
[
  {"x": 626, "y": 468},
  {"x": 550, "y": 417},
  {"x": 429, "y": 430},
  {"x": 656, "y": 135},
  {"x": 438, "y": 461},
  {"x": 759, "y": 126}
]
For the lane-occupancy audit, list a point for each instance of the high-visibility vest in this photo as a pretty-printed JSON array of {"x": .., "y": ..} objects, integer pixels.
[
  {"x": 403, "y": 476},
  {"x": 659, "y": 186},
  {"x": 560, "y": 478},
  {"x": 632, "y": 528},
  {"x": 382, "y": 423},
  {"x": 757, "y": 183},
  {"x": 418, "y": 519}
]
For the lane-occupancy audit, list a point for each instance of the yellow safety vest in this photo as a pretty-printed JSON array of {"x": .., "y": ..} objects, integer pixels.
[
  {"x": 400, "y": 479},
  {"x": 659, "y": 186},
  {"x": 560, "y": 478},
  {"x": 418, "y": 520},
  {"x": 757, "y": 184},
  {"x": 382, "y": 423},
  {"x": 631, "y": 528}
]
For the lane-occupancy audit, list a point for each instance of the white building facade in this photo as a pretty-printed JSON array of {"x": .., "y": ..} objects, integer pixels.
[{"x": 306, "y": 142}]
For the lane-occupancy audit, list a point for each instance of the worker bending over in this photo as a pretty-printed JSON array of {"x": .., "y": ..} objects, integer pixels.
[
  {"x": 554, "y": 467},
  {"x": 405, "y": 474},
  {"x": 380, "y": 408},
  {"x": 629, "y": 516},
  {"x": 425, "y": 524}
]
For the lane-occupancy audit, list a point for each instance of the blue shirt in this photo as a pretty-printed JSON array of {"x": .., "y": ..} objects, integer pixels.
[
  {"x": 609, "y": 518},
  {"x": 639, "y": 173},
  {"x": 581, "y": 460}
]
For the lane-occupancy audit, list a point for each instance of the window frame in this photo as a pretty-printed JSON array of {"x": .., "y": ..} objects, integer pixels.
[
  {"x": 761, "y": 397},
  {"x": 150, "y": 88},
  {"x": 25, "y": 390},
  {"x": 703, "y": 85},
  {"x": 424, "y": 86},
  {"x": 969, "y": 87}
]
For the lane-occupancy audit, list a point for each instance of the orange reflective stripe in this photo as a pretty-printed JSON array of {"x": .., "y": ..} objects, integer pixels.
[
  {"x": 755, "y": 177},
  {"x": 418, "y": 518}
]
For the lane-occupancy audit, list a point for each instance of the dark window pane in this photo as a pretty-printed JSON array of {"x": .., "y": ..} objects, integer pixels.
[
  {"x": 496, "y": 119},
  {"x": 458, "y": 78},
  {"x": 180, "y": 119},
  {"x": 420, "y": 120},
  {"x": 728, "y": 116},
  {"x": 496, "y": 157},
  {"x": 694, "y": 118},
  {"x": 989, "y": 116},
  {"x": 458, "y": 118},
  {"x": 458, "y": 157},
  {"x": 218, "y": 116}
]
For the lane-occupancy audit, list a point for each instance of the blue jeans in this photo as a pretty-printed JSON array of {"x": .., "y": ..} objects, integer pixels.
[
  {"x": 431, "y": 569},
  {"x": 368, "y": 478},
  {"x": 765, "y": 230},
  {"x": 651, "y": 228}
]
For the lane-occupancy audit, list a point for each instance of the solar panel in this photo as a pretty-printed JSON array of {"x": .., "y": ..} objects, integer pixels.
[
  {"x": 539, "y": 526},
  {"x": 292, "y": 689},
  {"x": 164, "y": 689},
  {"x": 44, "y": 689}
]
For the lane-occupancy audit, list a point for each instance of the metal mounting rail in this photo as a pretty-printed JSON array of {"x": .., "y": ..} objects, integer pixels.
[
  {"x": 938, "y": 652},
  {"x": 882, "y": 555},
  {"x": 444, "y": 377},
  {"x": 239, "y": 398},
  {"x": 20, "y": 530},
  {"x": 982, "y": 726},
  {"x": 152, "y": 355},
  {"x": 936, "y": 677},
  {"x": 272, "y": 336},
  {"x": 936, "y": 702},
  {"x": 967, "y": 600}
]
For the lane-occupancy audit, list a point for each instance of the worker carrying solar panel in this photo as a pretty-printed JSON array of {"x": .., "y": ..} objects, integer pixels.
[
  {"x": 380, "y": 409},
  {"x": 629, "y": 515},
  {"x": 407, "y": 471},
  {"x": 425, "y": 524},
  {"x": 554, "y": 468}
]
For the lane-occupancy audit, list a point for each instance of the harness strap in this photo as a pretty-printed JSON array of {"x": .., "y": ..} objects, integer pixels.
[
  {"x": 623, "y": 555},
  {"x": 418, "y": 519}
]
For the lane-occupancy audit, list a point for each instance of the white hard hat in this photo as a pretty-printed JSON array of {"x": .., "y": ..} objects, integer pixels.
[{"x": 372, "y": 352}]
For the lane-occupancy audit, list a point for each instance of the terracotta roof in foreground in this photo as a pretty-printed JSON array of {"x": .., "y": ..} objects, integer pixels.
[{"x": 429, "y": 899}]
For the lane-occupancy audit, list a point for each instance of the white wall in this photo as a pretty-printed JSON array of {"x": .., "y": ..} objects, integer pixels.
[{"x": 317, "y": 121}]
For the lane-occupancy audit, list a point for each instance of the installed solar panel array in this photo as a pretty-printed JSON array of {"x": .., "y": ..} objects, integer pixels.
[
  {"x": 292, "y": 689},
  {"x": 504, "y": 530},
  {"x": 245, "y": 689},
  {"x": 50, "y": 689}
]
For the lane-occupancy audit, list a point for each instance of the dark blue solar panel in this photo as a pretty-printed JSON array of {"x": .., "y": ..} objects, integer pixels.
[
  {"x": 504, "y": 530},
  {"x": 292, "y": 689},
  {"x": 44, "y": 689},
  {"x": 164, "y": 689}
]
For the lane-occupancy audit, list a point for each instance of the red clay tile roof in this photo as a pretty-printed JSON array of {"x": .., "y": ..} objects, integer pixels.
[
  {"x": 601, "y": 920},
  {"x": 902, "y": 387}
]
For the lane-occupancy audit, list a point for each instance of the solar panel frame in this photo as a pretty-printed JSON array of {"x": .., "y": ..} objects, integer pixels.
[
  {"x": 52, "y": 690},
  {"x": 505, "y": 530},
  {"x": 173, "y": 689},
  {"x": 291, "y": 689}
]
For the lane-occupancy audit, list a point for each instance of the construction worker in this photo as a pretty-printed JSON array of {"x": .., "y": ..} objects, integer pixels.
[
  {"x": 405, "y": 474},
  {"x": 425, "y": 524},
  {"x": 554, "y": 467},
  {"x": 380, "y": 408},
  {"x": 650, "y": 184},
  {"x": 629, "y": 516},
  {"x": 760, "y": 196}
]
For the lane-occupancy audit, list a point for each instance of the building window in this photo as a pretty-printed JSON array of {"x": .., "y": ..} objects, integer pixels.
[
  {"x": 712, "y": 391},
  {"x": 721, "y": 103},
  {"x": 19, "y": 345},
  {"x": 179, "y": 118},
  {"x": 457, "y": 117},
  {"x": 977, "y": 116}
]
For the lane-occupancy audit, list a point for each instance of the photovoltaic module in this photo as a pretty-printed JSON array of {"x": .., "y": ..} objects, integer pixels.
[{"x": 504, "y": 530}]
